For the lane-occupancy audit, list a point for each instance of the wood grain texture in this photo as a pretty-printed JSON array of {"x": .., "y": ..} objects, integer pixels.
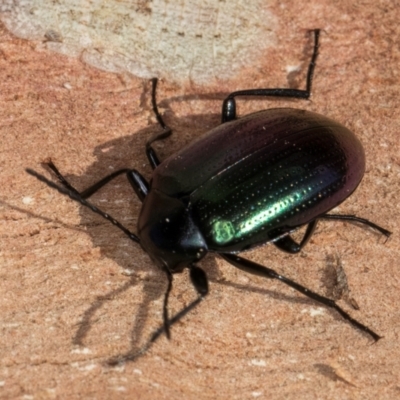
[{"x": 75, "y": 292}]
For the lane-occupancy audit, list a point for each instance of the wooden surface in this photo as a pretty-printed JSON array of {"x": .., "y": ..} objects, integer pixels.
[{"x": 74, "y": 292}]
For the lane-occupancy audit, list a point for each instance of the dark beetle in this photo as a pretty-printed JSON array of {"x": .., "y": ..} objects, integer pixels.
[{"x": 248, "y": 182}]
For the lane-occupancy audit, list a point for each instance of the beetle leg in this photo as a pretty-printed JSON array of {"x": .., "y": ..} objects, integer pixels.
[
  {"x": 73, "y": 194},
  {"x": 150, "y": 152},
  {"x": 200, "y": 282},
  {"x": 257, "y": 269},
  {"x": 139, "y": 184},
  {"x": 288, "y": 244},
  {"x": 229, "y": 104},
  {"x": 90, "y": 190},
  {"x": 165, "y": 306},
  {"x": 354, "y": 218}
]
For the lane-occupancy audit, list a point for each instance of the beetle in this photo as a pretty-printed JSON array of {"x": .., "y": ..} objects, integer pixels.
[{"x": 250, "y": 181}]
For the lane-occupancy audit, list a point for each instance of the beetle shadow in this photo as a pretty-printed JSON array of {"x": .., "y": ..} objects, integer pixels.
[{"x": 118, "y": 199}]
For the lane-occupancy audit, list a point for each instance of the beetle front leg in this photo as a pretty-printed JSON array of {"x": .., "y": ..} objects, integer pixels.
[
  {"x": 257, "y": 269},
  {"x": 138, "y": 183},
  {"x": 73, "y": 194},
  {"x": 200, "y": 282}
]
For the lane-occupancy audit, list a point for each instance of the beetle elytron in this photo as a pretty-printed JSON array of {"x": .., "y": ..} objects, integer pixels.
[{"x": 249, "y": 181}]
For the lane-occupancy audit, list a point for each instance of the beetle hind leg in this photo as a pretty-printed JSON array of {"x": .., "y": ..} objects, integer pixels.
[
  {"x": 257, "y": 269},
  {"x": 229, "y": 104}
]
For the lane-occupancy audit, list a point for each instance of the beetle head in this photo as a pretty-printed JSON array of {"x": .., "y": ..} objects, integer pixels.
[{"x": 168, "y": 233}]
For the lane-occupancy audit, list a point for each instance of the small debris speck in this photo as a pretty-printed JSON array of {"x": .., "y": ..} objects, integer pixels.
[
  {"x": 28, "y": 200},
  {"x": 258, "y": 363}
]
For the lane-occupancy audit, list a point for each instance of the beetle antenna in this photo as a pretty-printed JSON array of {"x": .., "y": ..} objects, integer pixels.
[{"x": 74, "y": 195}]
